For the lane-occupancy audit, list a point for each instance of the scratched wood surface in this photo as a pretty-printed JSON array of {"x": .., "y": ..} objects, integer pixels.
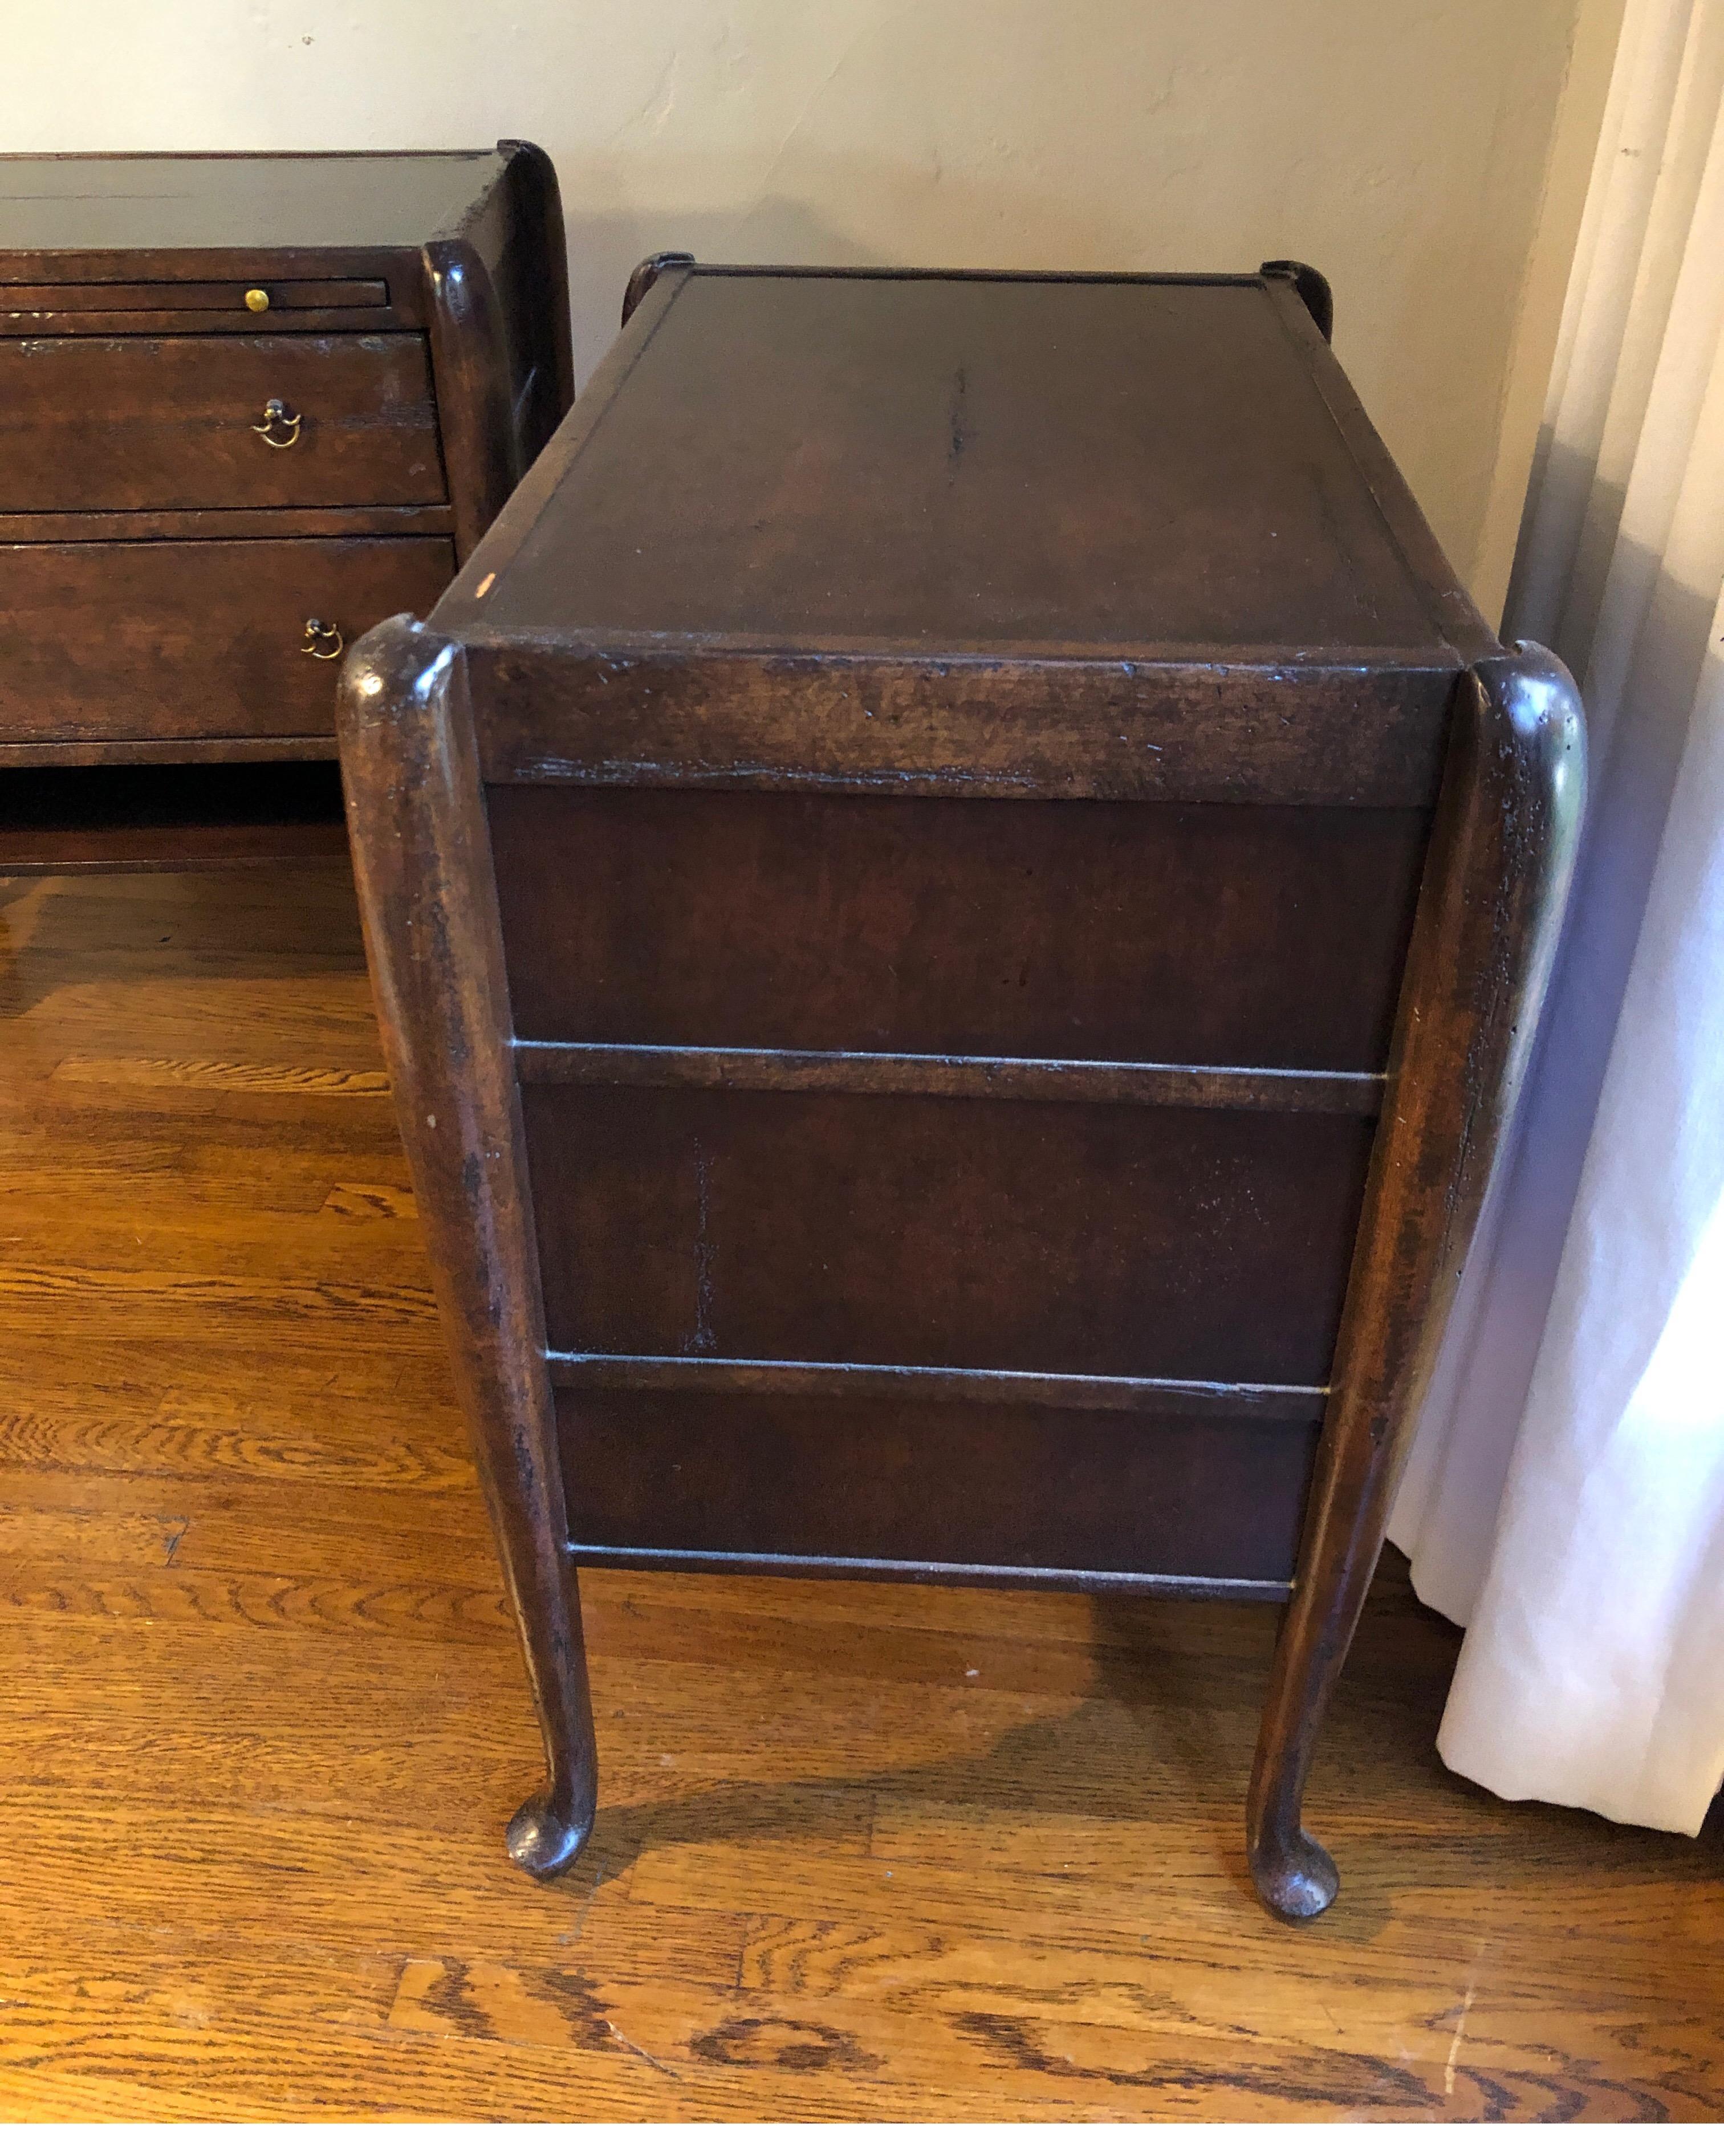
[{"x": 863, "y": 1852}]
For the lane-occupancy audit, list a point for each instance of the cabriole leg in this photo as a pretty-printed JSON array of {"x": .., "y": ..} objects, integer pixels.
[
  {"x": 428, "y": 896},
  {"x": 1489, "y": 910}
]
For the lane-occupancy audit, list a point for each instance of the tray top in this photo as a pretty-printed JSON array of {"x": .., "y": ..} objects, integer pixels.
[
  {"x": 925, "y": 463},
  {"x": 101, "y": 205}
]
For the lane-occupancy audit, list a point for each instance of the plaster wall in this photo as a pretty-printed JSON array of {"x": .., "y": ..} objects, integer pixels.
[{"x": 1402, "y": 146}]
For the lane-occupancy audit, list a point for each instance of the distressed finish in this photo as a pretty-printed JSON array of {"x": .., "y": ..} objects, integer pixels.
[
  {"x": 436, "y": 958},
  {"x": 238, "y": 394},
  {"x": 121, "y": 424},
  {"x": 1500, "y": 862},
  {"x": 189, "y": 640},
  {"x": 1014, "y": 891}
]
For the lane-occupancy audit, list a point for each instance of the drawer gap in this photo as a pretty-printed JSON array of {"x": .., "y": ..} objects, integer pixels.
[
  {"x": 962, "y": 1077},
  {"x": 1184, "y": 1586},
  {"x": 573, "y": 1371},
  {"x": 168, "y": 296},
  {"x": 169, "y": 817}
]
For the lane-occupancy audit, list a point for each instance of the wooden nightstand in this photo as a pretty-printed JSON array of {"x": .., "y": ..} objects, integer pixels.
[
  {"x": 957, "y": 898},
  {"x": 248, "y": 406}
]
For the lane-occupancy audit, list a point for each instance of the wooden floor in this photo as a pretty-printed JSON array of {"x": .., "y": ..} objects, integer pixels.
[{"x": 869, "y": 1853}]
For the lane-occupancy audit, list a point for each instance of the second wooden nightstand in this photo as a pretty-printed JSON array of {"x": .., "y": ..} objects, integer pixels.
[{"x": 249, "y": 405}]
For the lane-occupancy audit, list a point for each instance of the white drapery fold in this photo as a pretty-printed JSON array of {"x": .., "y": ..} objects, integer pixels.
[{"x": 1565, "y": 1498}]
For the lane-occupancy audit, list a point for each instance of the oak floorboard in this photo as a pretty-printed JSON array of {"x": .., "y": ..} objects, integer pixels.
[
  {"x": 186, "y": 1439},
  {"x": 38, "y": 2094},
  {"x": 865, "y": 1851}
]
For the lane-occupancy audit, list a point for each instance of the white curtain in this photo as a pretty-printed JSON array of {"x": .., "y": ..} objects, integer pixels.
[{"x": 1565, "y": 1499}]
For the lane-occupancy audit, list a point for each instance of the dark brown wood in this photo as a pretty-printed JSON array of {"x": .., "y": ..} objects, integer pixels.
[
  {"x": 173, "y": 295},
  {"x": 546, "y": 472},
  {"x": 1500, "y": 859},
  {"x": 499, "y": 334},
  {"x": 1267, "y": 937},
  {"x": 988, "y": 1234},
  {"x": 917, "y": 462},
  {"x": 130, "y": 218},
  {"x": 938, "y": 1487},
  {"x": 888, "y": 1381},
  {"x": 1363, "y": 730},
  {"x": 645, "y": 274},
  {"x": 343, "y": 362},
  {"x": 428, "y": 521},
  {"x": 532, "y": 276},
  {"x": 187, "y": 755},
  {"x": 959, "y": 757},
  {"x": 172, "y": 322},
  {"x": 90, "y": 423},
  {"x": 476, "y": 408},
  {"x": 1312, "y": 287},
  {"x": 1445, "y": 598},
  {"x": 186, "y": 843},
  {"x": 421, "y": 862},
  {"x": 953, "y": 1077},
  {"x": 918, "y": 1572},
  {"x": 193, "y": 640}
]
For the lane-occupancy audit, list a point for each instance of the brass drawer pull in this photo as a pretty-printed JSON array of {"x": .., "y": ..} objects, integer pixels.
[
  {"x": 278, "y": 417},
  {"x": 323, "y": 641}
]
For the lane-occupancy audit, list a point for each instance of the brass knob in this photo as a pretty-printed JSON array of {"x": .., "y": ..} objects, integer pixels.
[
  {"x": 281, "y": 427},
  {"x": 258, "y": 300},
  {"x": 323, "y": 641}
]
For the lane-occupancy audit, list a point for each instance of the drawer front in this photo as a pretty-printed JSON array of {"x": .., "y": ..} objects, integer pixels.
[
  {"x": 167, "y": 641},
  {"x": 1044, "y": 1488},
  {"x": 1160, "y": 932},
  {"x": 111, "y": 423},
  {"x": 967, "y": 1234}
]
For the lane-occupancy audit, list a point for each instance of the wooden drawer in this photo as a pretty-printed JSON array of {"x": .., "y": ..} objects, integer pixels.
[
  {"x": 996, "y": 1487},
  {"x": 904, "y": 1230},
  {"x": 168, "y": 640},
  {"x": 1158, "y": 932},
  {"x": 111, "y": 423}
]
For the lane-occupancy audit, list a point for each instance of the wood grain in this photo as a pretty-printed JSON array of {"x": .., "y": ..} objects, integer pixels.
[
  {"x": 1270, "y": 939},
  {"x": 181, "y": 640},
  {"x": 710, "y": 1195},
  {"x": 951, "y": 1077},
  {"x": 427, "y": 897},
  {"x": 1151, "y": 725},
  {"x": 868, "y": 1852},
  {"x": 90, "y": 423},
  {"x": 1484, "y": 943}
]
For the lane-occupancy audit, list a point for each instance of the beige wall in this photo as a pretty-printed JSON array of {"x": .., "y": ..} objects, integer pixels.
[{"x": 1400, "y": 145}]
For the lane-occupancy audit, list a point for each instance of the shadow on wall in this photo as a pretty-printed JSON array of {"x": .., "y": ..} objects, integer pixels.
[
  {"x": 981, "y": 229},
  {"x": 1394, "y": 333},
  {"x": 603, "y": 250}
]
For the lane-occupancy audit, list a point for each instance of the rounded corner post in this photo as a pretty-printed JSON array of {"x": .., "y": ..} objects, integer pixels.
[
  {"x": 1313, "y": 289},
  {"x": 545, "y": 219},
  {"x": 428, "y": 904},
  {"x": 469, "y": 366},
  {"x": 1497, "y": 871},
  {"x": 645, "y": 274},
  {"x": 518, "y": 146}
]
